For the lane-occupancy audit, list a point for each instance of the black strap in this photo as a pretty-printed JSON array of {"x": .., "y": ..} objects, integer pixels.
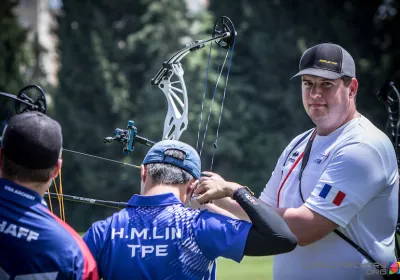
[
  {"x": 306, "y": 157},
  {"x": 295, "y": 145},
  {"x": 304, "y": 162}
]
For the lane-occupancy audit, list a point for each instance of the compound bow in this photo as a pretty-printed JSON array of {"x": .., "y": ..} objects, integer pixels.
[
  {"x": 390, "y": 96},
  {"x": 170, "y": 80}
]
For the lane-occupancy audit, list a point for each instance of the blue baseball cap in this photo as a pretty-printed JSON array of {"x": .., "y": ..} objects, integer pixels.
[{"x": 191, "y": 163}]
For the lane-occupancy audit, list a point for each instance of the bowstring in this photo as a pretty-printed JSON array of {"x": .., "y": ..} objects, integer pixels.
[
  {"x": 215, "y": 145},
  {"x": 62, "y": 209},
  {"x": 58, "y": 197},
  {"x": 102, "y": 158},
  {"x": 204, "y": 96},
  {"x": 212, "y": 102}
]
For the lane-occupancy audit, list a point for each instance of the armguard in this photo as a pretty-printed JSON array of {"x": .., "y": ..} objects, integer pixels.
[{"x": 269, "y": 234}]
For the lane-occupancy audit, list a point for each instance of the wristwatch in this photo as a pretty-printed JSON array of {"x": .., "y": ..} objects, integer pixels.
[{"x": 244, "y": 187}]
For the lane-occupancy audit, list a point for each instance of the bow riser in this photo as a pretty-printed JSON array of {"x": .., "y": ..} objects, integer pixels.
[{"x": 176, "y": 120}]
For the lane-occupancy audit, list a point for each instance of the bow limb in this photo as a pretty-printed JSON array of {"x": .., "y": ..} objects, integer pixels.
[
  {"x": 175, "y": 91},
  {"x": 390, "y": 96},
  {"x": 176, "y": 120}
]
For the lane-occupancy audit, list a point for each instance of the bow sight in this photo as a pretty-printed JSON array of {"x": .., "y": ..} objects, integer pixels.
[{"x": 128, "y": 137}]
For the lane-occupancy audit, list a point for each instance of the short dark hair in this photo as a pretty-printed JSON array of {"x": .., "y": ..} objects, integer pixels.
[
  {"x": 346, "y": 80},
  {"x": 16, "y": 172},
  {"x": 165, "y": 173}
]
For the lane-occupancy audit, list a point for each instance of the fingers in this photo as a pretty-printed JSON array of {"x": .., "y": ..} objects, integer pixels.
[
  {"x": 200, "y": 189},
  {"x": 207, "y": 173},
  {"x": 203, "y": 179},
  {"x": 203, "y": 193},
  {"x": 207, "y": 191},
  {"x": 205, "y": 197}
]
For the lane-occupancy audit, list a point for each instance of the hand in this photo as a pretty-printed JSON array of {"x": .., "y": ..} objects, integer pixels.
[{"x": 212, "y": 187}]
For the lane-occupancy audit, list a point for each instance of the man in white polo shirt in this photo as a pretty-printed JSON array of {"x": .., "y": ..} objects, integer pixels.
[{"x": 335, "y": 185}]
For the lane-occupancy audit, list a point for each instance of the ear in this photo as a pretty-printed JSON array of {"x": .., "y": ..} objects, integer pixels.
[
  {"x": 192, "y": 184},
  {"x": 353, "y": 87},
  {"x": 190, "y": 188},
  {"x": 56, "y": 169},
  {"x": 143, "y": 172}
]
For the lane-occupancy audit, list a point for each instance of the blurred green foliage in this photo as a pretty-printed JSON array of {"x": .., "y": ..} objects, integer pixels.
[{"x": 110, "y": 50}]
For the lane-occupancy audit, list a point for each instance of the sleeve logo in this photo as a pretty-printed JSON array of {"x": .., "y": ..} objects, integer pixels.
[{"x": 235, "y": 223}]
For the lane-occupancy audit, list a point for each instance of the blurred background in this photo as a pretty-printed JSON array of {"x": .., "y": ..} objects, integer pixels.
[{"x": 95, "y": 60}]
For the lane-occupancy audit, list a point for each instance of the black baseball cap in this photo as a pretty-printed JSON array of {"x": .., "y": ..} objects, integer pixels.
[
  {"x": 328, "y": 61},
  {"x": 32, "y": 140}
]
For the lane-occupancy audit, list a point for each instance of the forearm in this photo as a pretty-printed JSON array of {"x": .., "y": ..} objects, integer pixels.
[
  {"x": 293, "y": 221},
  {"x": 268, "y": 226},
  {"x": 304, "y": 224},
  {"x": 232, "y": 207}
]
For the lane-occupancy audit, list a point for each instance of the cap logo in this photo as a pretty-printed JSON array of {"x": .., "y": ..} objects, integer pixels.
[{"x": 327, "y": 61}]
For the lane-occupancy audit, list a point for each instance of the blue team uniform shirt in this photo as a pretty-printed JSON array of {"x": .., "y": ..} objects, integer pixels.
[
  {"x": 34, "y": 243},
  {"x": 157, "y": 237}
]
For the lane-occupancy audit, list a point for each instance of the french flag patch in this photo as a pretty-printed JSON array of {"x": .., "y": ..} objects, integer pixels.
[{"x": 332, "y": 194}]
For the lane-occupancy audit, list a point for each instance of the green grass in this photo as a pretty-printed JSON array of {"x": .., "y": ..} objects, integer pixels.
[{"x": 249, "y": 268}]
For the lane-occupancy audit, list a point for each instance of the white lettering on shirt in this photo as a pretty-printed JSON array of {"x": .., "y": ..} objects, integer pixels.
[
  {"x": 18, "y": 232},
  {"x": 145, "y": 249}
]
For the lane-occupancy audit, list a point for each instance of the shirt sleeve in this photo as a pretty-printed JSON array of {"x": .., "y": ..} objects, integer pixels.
[
  {"x": 95, "y": 237},
  {"x": 352, "y": 178},
  {"x": 220, "y": 236}
]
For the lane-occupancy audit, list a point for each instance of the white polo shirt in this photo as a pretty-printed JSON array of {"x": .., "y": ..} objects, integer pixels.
[{"x": 351, "y": 178}]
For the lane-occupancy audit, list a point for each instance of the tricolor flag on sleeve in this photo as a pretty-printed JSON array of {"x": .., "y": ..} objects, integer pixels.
[{"x": 332, "y": 194}]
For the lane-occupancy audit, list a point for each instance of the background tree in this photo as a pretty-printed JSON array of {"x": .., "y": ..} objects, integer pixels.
[
  {"x": 12, "y": 57},
  {"x": 264, "y": 110},
  {"x": 109, "y": 52}
]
